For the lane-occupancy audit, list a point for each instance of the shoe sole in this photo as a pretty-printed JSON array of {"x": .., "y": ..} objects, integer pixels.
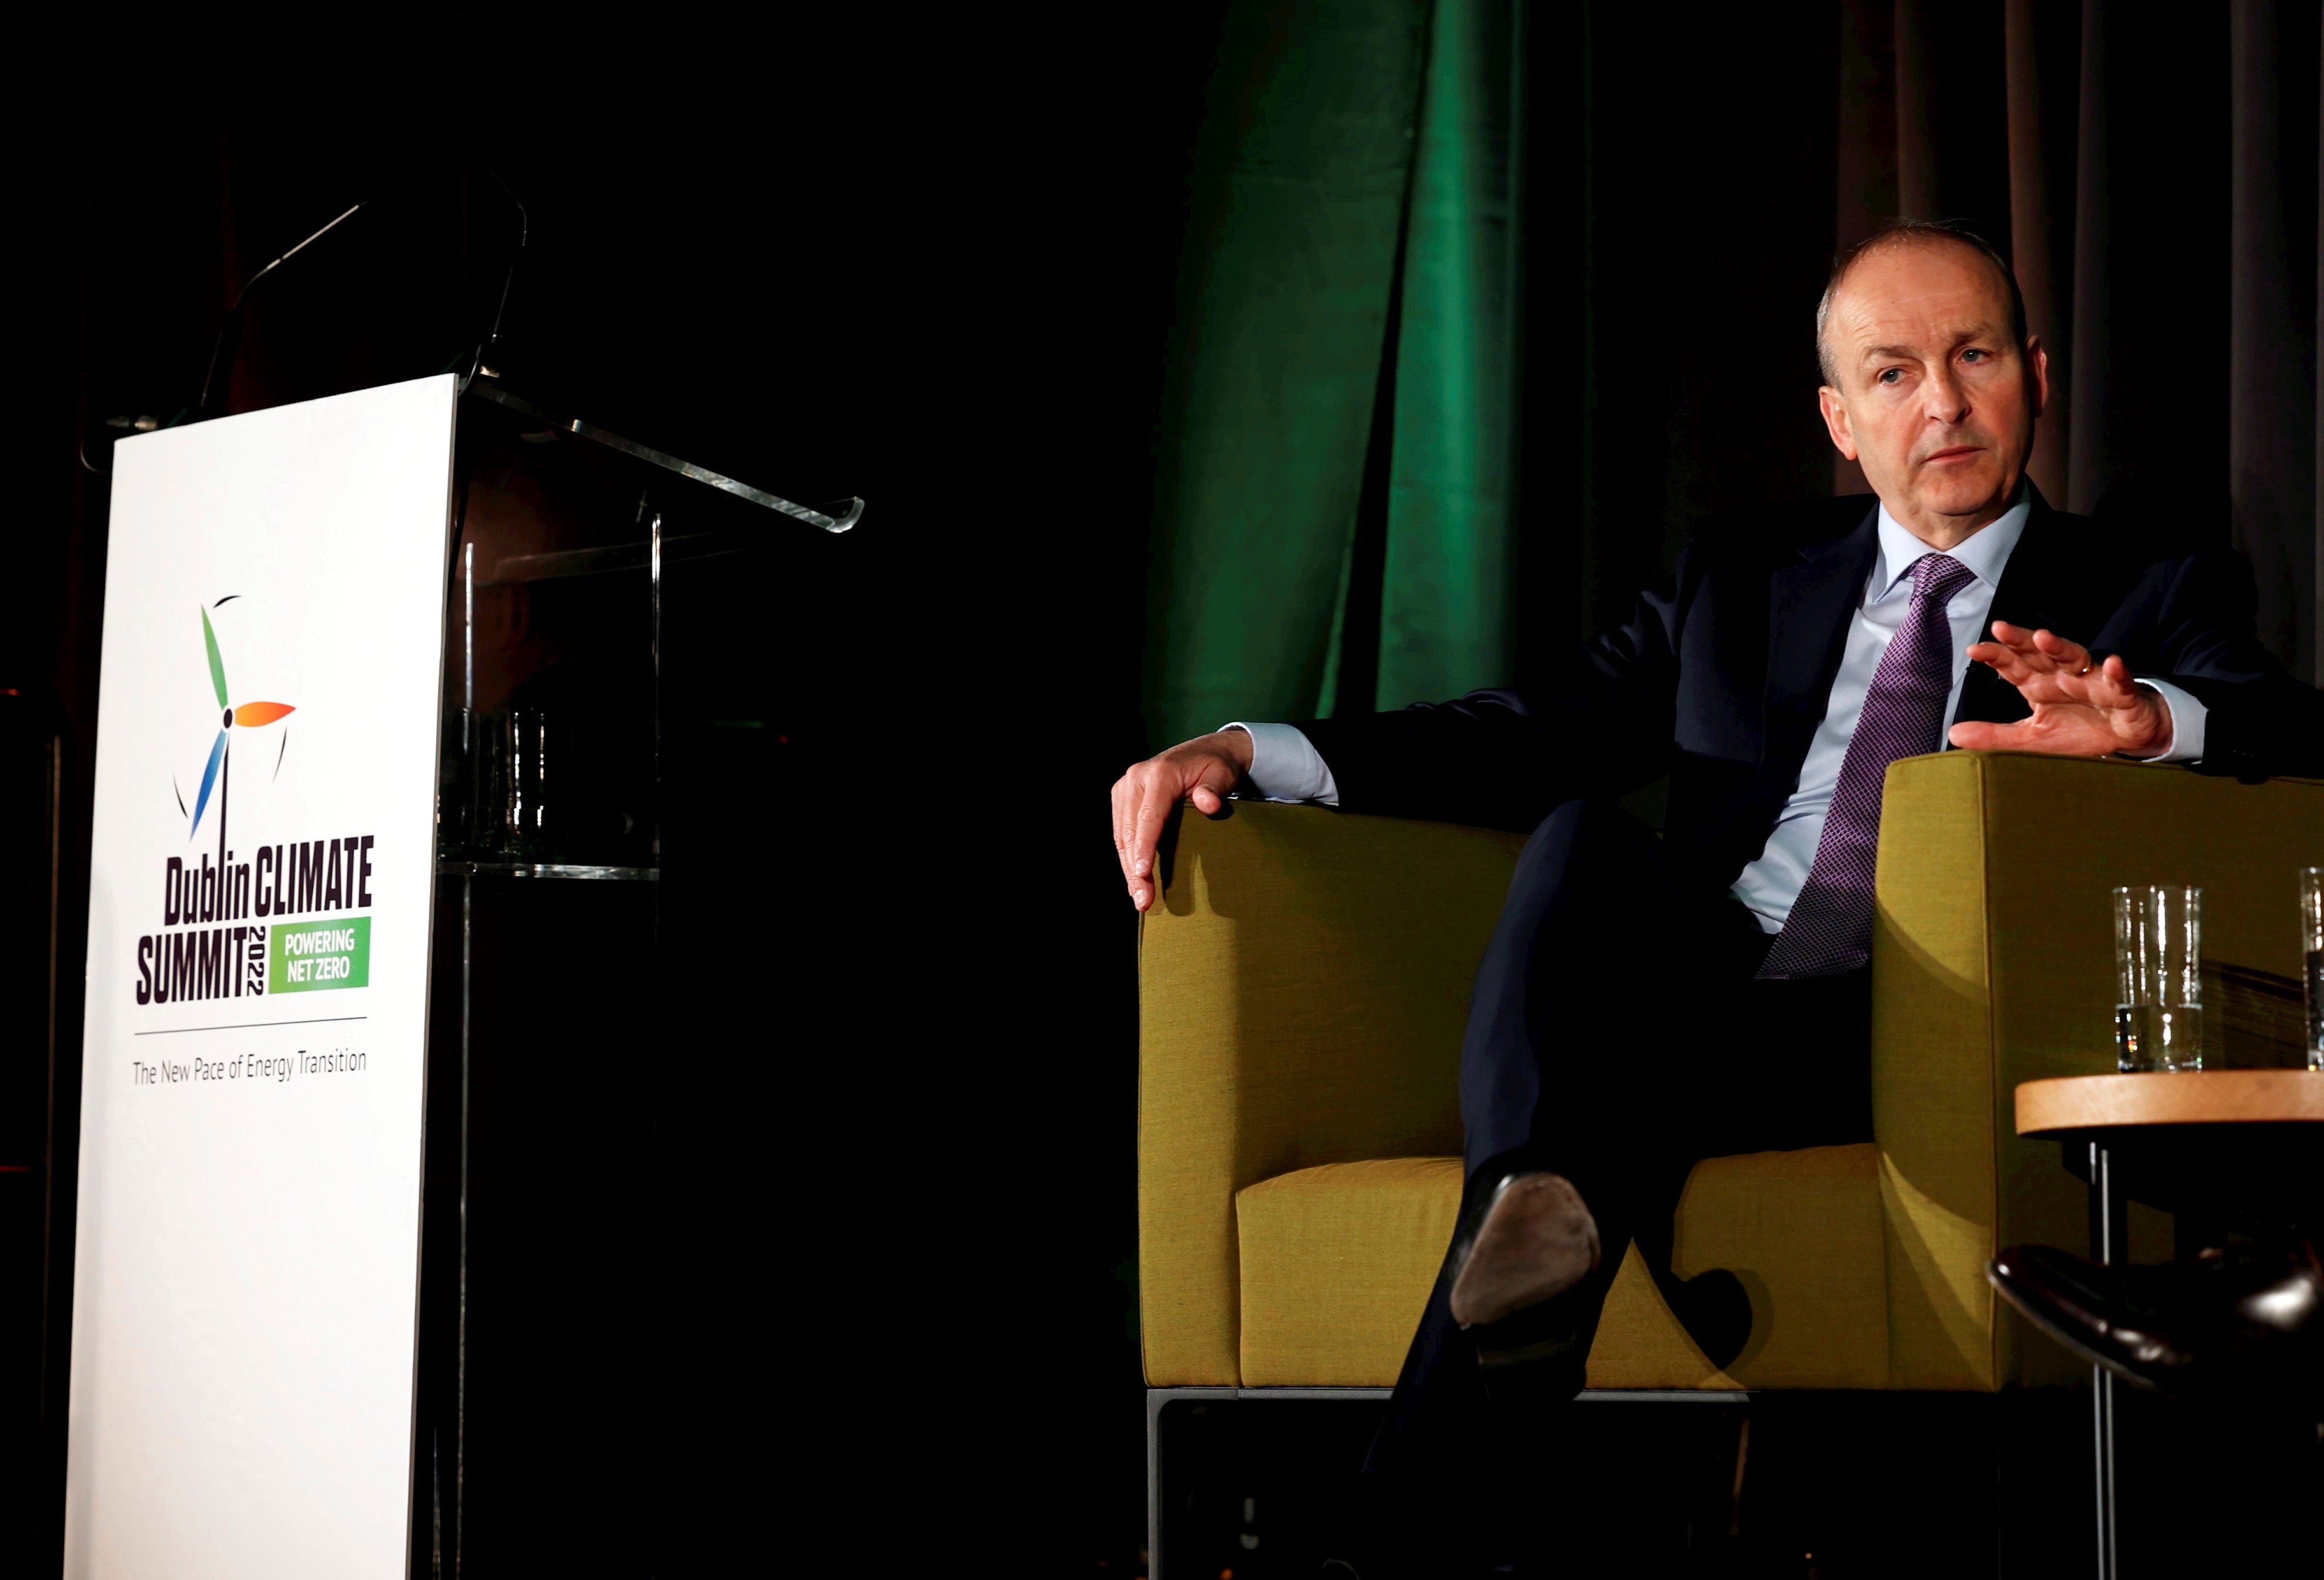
[{"x": 1537, "y": 1241}]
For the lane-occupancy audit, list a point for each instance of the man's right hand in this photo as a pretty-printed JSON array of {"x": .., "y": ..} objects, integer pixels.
[{"x": 1202, "y": 770}]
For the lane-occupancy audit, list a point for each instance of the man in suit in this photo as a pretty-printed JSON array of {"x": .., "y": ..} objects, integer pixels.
[{"x": 1647, "y": 1003}]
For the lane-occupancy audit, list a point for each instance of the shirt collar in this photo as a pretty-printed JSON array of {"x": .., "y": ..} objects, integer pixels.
[{"x": 1982, "y": 554}]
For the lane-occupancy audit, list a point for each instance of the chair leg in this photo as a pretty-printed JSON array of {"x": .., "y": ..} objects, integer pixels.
[
  {"x": 1153, "y": 1398},
  {"x": 1735, "y": 1494},
  {"x": 1157, "y": 1399}
]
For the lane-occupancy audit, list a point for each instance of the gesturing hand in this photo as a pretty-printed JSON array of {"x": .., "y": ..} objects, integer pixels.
[
  {"x": 2081, "y": 709},
  {"x": 1204, "y": 769}
]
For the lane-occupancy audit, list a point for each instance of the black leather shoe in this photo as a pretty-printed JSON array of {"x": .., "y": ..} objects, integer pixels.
[
  {"x": 1715, "y": 1309},
  {"x": 2243, "y": 1323}
]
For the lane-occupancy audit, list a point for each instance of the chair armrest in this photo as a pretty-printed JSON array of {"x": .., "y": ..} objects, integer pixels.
[
  {"x": 1302, "y": 984},
  {"x": 1993, "y": 964}
]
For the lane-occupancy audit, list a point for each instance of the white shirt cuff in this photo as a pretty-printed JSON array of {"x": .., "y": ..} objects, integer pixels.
[
  {"x": 1285, "y": 766},
  {"x": 2187, "y": 716}
]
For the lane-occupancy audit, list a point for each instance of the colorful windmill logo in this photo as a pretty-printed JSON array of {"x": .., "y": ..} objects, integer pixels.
[{"x": 250, "y": 715}]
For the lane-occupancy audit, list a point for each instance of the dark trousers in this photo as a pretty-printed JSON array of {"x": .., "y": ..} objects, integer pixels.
[{"x": 1616, "y": 1035}]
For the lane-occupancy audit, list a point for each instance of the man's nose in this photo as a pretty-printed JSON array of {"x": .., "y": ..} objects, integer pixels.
[{"x": 1948, "y": 401}]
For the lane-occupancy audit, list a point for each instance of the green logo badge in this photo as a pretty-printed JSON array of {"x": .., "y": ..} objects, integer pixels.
[{"x": 309, "y": 956}]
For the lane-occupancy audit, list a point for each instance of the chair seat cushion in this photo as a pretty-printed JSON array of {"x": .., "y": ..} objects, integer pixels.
[{"x": 1337, "y": 1262}]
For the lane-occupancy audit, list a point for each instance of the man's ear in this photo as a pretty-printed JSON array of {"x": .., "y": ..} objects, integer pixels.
[
  {"x": 2037, "y": 373},
  {"x": 1834, "y": 407}
]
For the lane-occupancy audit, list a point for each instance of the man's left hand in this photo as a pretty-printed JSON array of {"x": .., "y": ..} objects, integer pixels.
[{"x": 2081, "y": 709}]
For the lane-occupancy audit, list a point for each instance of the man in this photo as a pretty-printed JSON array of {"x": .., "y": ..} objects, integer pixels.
[{"x": 1647, "y": 1003}]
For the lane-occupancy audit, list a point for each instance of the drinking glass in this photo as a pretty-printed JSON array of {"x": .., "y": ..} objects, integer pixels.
[
  {"x": 2158, "y": 950},
  {"x": 2311, "y": 946}
]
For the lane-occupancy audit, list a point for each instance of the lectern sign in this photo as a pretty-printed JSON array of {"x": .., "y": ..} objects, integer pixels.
[{"x": 263, "y": 870}]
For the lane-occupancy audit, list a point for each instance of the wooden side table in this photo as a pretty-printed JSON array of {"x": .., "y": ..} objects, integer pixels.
[{"x": 2202, "y": 1140}]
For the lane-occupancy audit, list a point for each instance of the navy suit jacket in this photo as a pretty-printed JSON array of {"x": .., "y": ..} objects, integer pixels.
[{"x": 1718, "y": 679}]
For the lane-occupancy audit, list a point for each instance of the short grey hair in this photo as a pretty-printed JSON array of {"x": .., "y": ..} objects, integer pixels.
[{"x": 1905, "y": 233}]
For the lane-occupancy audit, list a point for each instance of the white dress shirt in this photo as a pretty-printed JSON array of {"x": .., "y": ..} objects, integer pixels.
[{"x": 1284, "y": 765}]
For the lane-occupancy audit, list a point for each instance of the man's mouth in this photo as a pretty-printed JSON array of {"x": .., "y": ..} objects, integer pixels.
[{"x": 1960, "y": 452}]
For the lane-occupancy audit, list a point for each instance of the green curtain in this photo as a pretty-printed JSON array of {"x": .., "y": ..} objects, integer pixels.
[
  {"x": 1332, "y": 522},
  {"x": 1447, "y": 619}
]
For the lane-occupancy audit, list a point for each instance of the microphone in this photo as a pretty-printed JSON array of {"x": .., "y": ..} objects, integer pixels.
[
  {"x": 489, "y": 347},
  {"x": 229, "y": 335}
]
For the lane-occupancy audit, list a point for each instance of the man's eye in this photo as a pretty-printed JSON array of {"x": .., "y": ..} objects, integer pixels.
[
  {"x": 1890, "y": 375},
  {"x": 1973, "y": 355}
]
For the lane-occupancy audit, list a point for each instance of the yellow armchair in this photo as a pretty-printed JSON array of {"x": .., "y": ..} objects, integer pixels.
[{"x": 1302, "y": 985}]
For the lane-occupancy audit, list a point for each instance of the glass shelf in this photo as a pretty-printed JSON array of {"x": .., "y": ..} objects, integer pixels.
[{"x": 459, "y": 869}]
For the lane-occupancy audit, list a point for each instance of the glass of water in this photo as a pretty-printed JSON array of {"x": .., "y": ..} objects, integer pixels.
[
  {"x": 2311, "y": 946},
  {"x": 2158, "y": 1001}
]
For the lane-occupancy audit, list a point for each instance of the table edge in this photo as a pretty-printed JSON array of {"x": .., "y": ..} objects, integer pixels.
[{"x": 2063, "y": 1105}]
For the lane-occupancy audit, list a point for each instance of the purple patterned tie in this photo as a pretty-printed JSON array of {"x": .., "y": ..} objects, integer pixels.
[{"x": 1830, "y": 929}]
